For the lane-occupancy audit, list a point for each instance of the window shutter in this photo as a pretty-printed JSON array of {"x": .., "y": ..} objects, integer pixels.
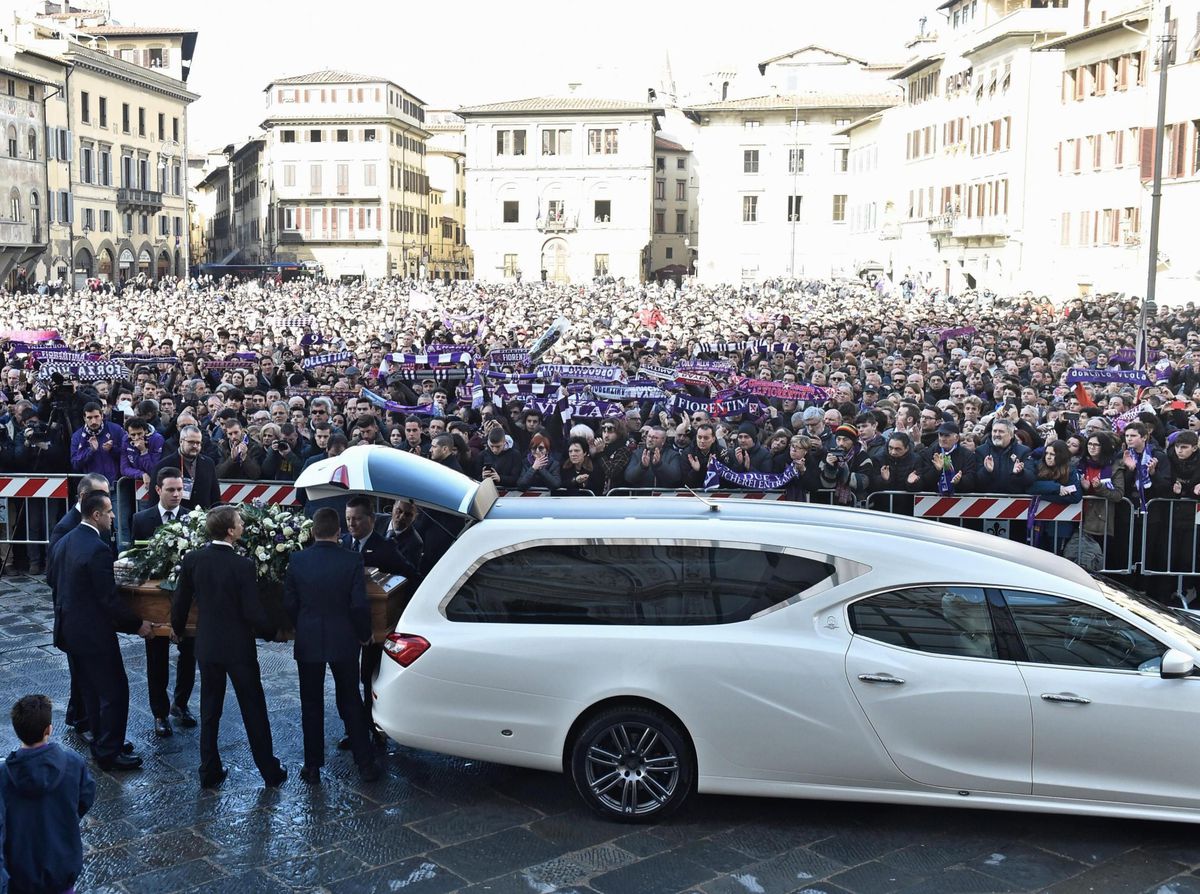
[
  {"x": 1146, "y": 155},
  {"x": 1101, "y": 78},
  {"x": 1123, "y": 73},
  {"x": 70, "y": 207},
  {"x": 1078, "y": 154},
  {"x": 1060, "y": 154}
]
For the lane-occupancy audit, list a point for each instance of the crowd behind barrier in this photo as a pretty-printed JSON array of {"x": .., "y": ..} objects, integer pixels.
[{"x": 1055, "y": 425}]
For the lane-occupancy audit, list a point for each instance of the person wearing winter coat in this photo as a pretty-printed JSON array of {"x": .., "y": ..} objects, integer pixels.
[
  {"x": 579, "y": 471},
  {"x": 45, "y": 790},
  {"x": 540, "y": 469},
  {"x": 1055, "y": 482},
  {"x": 1100, "y": 477},
  {"x": 1003, "y": 462},
  {"x": 806, "y": 455},
  {"x": 847, "y": 469}
]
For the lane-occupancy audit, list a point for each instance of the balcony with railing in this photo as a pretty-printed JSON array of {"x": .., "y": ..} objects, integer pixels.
[
  {"x": 148, "y": 199},
  {"x": 558, "y": 222},
  {"x": 942, "y": 223}
]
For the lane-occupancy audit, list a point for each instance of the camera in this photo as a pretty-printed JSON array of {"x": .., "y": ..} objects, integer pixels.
[
  {"x": 836, "y": 453},
  {"x": 38, "y": 434}
]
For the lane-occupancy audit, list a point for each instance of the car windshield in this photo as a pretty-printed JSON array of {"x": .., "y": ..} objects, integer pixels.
[{"x": 1181, "y": 622}]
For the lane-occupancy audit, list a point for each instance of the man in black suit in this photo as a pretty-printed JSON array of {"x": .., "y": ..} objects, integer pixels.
[
  {"x": 200, "y": 486},
  {"x": 325, "y": 596},
  {"x": 158, "y": 648},
  {"x": 93, "y": 482},
  {"x": 377, "y": 552},
  {"x": 90, "y": 614},
  {"x": 229, "y": 614}
]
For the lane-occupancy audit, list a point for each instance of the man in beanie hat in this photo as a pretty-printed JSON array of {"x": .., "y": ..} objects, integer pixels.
[
  {"x": 846, "y": 468},
  {"x": 748, "y": 455}
]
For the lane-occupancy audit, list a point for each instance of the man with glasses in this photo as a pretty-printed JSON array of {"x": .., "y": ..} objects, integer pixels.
[
  {"x": 930, "y": 420},
  {"x": 200, "y": 487}
]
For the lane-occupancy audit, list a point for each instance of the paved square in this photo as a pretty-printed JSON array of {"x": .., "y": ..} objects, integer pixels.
[{"x": 438, "y": 824}]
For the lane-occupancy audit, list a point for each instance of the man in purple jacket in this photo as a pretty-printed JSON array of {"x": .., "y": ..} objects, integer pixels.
[
  {"x": 97, "y": 446},
  {"x": 141, "y": 452}
]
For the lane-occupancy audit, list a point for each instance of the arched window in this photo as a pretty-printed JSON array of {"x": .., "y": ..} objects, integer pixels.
[
  {"x": 14, "y": 205},
  {"x": 12, "y": 141},
  {"x": 33, "y": 144}
]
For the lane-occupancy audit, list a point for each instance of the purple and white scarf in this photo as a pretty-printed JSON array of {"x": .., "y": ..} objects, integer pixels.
[
  {"x": 327, "y": 359},
  {"x": 717, "y": 472}
]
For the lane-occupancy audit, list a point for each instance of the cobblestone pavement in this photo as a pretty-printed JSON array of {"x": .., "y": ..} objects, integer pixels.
[{"x": 435, "y": 824}]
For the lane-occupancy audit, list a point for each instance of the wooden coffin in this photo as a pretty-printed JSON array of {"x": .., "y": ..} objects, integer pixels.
[{"x": 387, "y": 595}]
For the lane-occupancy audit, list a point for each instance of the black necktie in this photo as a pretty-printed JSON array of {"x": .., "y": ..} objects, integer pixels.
[
  {"x": 357, "y": 545},
  {"x": 168, "y": 517}
]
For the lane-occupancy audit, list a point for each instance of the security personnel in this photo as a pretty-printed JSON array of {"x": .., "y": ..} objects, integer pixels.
[
  {"x": 229, "y": 613},
  {"x": 158, "y": 648},
  {"x": 325, "y": 596},
  {"x": 88, "y": 617}
]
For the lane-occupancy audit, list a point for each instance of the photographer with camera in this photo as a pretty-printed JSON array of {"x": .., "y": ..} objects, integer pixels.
[
  {"x": 846, "y": 467},
  {"x": 284, "y": 459},
  {"x": 38, "y": 448}
]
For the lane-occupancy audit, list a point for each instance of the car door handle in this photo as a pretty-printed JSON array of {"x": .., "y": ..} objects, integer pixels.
[
  {"x": 880, "y": 678},
  {"x": 1066, "y": 697}
]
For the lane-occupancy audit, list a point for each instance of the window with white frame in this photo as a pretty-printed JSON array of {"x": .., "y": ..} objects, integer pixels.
[{"x": 749, "y": 209}]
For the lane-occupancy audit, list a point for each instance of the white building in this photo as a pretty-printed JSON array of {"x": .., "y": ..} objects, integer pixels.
[
  {"x": 873, "y": 226},
  {"x": 347, "y": 174},
  {"x": 777, "y": 166},
  {"x": 1178, "y": 263},
  {"x": 560, "y": 188}
]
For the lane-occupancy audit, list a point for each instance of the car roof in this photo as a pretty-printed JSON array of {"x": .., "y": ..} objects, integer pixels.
[{"x": 848, "y": 520}]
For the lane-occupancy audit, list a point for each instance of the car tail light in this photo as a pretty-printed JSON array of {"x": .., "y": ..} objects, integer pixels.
[{"x": 405, "y": 648}]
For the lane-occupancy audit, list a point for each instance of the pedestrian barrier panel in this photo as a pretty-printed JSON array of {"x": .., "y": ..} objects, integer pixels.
[
  {"x": 233, "y": 491},
  {"x": 990, "y": 507},
  {"x": 1170, "y": 535},
  {"x": 33, "y": 505}
]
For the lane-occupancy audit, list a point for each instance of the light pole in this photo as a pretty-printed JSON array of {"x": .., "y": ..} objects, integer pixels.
[{"x": 1165, "y": 55}]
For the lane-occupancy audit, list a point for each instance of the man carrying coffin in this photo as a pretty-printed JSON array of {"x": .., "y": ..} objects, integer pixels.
[
  {"x": 325, "y": 596},
  {"x": 225, "y": 590}
]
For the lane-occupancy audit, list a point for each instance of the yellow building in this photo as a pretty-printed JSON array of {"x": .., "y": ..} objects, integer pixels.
[{"x": 116, "y": 147}]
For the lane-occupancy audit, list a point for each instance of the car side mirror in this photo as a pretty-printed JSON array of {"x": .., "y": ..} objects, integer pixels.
[{"x": 1176, "y": 664}]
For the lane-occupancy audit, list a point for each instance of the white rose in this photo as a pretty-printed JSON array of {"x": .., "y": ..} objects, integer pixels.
[
  {"x": 287, "y": 532},
  {"x": 181, "y": 543},
  {"x": 262, "y": 554},
  {"x": 281, "y": 548}
]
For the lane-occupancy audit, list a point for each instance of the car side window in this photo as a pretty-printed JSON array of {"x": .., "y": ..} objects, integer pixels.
[
  {"x": 642, "y": 584},
  {"x": 939, "y": 620},
  {"x": 1057, "y": 630}
]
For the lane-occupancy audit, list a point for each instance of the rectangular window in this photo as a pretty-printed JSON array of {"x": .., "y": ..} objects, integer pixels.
[
  {"x": 680, "y": 164},
  {"x": 287, "y": 136},
  {"x": 793, "y": 208},
  {"x": 105, "y": 170},
  {"x": 680, "y": 222},
  {"x": 749, "y": 161},
  {"x": 595, "y": 141},
  {"x": 103, "y": 112},
  {"x": 314, "y": 180},
  {"x": 175, "y": 129},
  {"x": 660, "y": 164},
  {"x": 610, "y": 141},
  {"x": 343, "y": 179},
  {"x": 680, "y": 190},
  {"x": 556, "y": 142},
  {"x": 660, "y": 190},
  {"x": 124, "y": 117},
  {"x": 162, "y": 126},
  {"x": 603, "y": 209},
  {"x": 749, "y": 209},
  {"x": 105, "y": 221},
  {"x": 89, "y": 219},
  {"x": 86, "y": 170},
  {"x": 85, "y": 108},
  {"x": 512, "y": 212},
  {"x": 141, "y": 121},
  {"x": 795, "y": 161},
  {"x": 601, "y": 265},
  {"x": 314, "y": 136},
  {"x": 839, "y": 209},
  {"x": 841, "y": 161},
  {"x": 660, "y": 221},
  {"x": 510, "y": 265},
  {"x": 343, "y": 135},
  {"x": 368, "y": 175},
  {"x": 369, "y": 135}
]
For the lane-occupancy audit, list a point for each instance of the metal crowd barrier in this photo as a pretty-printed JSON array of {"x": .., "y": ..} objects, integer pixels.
[
  {"x": 1007, "y": 516},
  {"x": 32, "y": 506},
  {"x": 1169, "y": 538}
]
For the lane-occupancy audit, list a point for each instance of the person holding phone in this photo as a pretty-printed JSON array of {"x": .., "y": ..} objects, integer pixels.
[{"x": 241, "y": 458}]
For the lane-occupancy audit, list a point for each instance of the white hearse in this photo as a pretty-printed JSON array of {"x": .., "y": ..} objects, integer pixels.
[{"x": 652, "y": 647}]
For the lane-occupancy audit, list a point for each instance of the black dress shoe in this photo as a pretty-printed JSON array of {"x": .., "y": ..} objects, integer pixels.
[
  {"x": 213, "y": 781},
  {"x": 162, "y": 728},
  {"x": 127, "y": 748},
  {"x": 183, "y": 715},
  {"x": 121, "y": 762},
  {"x": 379, "y": 737},
  {"x": 344, "y": 743},
  {"x": 81, "y": 726},
  {"x": 370, "y": 772},
  {"x": 279, "y": 780},
  {"x": 311, "y": 775}
]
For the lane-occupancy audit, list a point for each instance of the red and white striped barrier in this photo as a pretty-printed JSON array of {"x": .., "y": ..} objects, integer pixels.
[
  {"x": 990, "y": 508},
  {"x": 30, "y": 487},
  {"x": 246, "y": 492}
]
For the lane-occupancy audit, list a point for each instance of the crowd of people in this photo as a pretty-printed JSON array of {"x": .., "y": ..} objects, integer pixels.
[{"x": 822, "y": 390}]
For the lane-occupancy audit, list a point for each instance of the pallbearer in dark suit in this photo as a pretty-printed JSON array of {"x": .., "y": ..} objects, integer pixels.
[
  {"x": 158, "y": 648},
  {"x": 325, "y": 596},
  {"x": 229, "y": 614},
  {"x": 379, "y": 552},
  {"x": 92, "y": 482},
  {"x": 90, "y": 613}
]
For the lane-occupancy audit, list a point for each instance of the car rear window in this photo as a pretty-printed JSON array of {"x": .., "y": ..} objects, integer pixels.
[{"x": 632, "y": 584}]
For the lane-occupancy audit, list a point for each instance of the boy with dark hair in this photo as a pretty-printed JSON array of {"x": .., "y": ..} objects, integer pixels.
[{"x": 46, "y": 791}]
